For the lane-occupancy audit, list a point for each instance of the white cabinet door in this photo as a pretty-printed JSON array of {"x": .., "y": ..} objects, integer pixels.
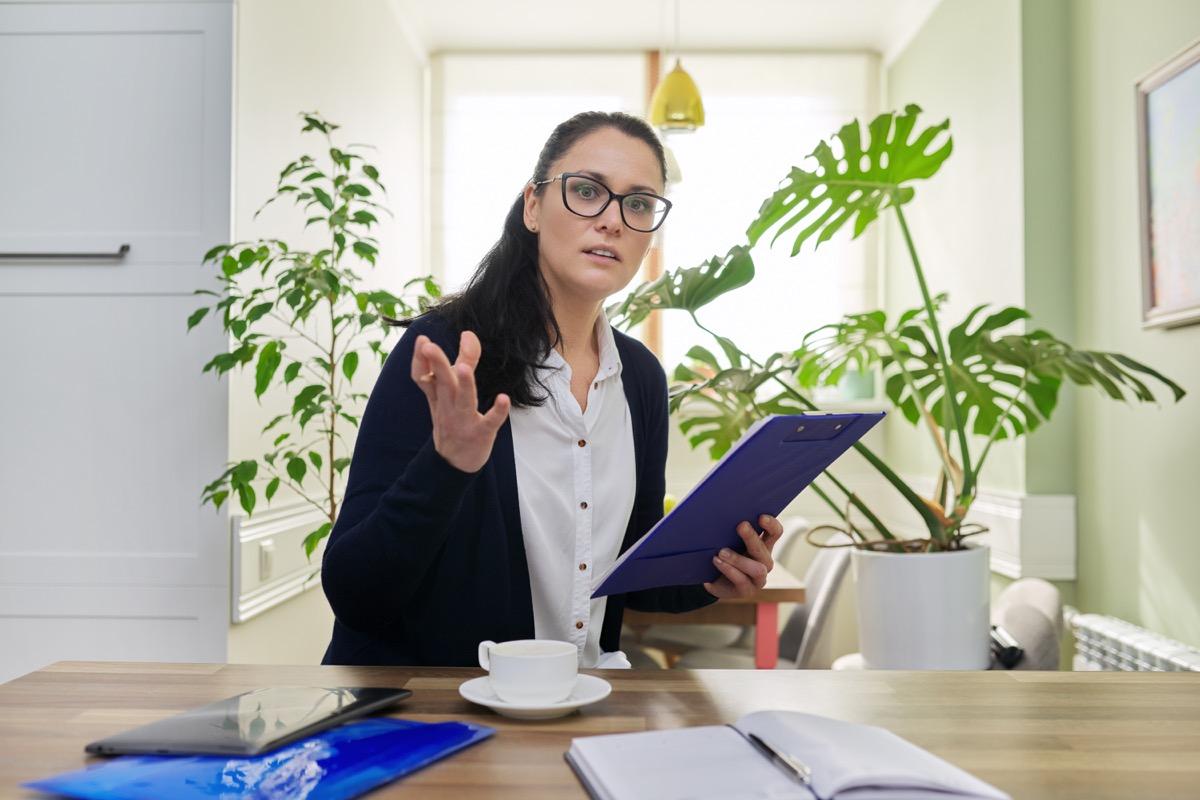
[{"x": 114, "y": 129}]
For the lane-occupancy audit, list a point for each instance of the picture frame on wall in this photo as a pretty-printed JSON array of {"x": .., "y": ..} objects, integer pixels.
[{"x": 1168, "y": 117}]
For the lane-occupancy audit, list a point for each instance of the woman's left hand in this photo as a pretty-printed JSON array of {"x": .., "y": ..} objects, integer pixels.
[{"x": 743, "y": 575}]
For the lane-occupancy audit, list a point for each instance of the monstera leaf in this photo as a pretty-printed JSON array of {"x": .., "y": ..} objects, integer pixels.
[
  {"x": 719, "y": 403},
  {"x": 685, "y": 289},
  {"x": 1008, "y": 384},
  {"x": 858, "y": 183}
]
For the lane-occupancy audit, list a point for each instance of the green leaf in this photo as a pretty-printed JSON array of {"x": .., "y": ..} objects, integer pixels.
[
  {"x": 306, "y": 396},
  {"x": 259, "y": 311},
  {"x": 313, "y": 121},
  {"x": 323, "y": 197},
  {"x": 315, "y": 458},
  {"x": 350, "y": 364},
  {"x": 244, "y": 472},
  {"x": 365, "y": 250},
  {"x": 340, "y": 464},
  {"x": 685, "y": 289},
  {"x": 216, "y": 251},
  {"x": 291, "y": 371},
  {"x": 296, "y": 469},
  {"x": 196, "y": 316},
  {"x": 278, "y": 439},
  {"x": 219, "y": 497},
  {"x": 274, "y": 422},
  {"x": 313, "y": 540},
  {"x": 272, "y": 488},
  {"x": 268, "y": 363},
  {"x": 858, "y": 184},
  {"x": 246, "y": 497}
]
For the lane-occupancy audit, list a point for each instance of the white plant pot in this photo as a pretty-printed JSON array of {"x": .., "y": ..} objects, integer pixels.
[{"x": 923, "y": 610}]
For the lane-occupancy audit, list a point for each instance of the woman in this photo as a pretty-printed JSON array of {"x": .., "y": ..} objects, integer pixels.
[{"x": 515, "y": 443}]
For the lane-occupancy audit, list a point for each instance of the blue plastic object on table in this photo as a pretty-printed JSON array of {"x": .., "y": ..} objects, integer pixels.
[{"x": 338, "y": 763}]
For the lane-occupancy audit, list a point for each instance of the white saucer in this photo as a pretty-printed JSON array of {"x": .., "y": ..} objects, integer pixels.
[{"x": 588, "y": 689}]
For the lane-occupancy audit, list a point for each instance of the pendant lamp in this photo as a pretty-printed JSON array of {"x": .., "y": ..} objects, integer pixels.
[{"x": 676, "y": 104}]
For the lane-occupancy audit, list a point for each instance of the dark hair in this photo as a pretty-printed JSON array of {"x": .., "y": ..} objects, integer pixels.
[{"x": 506, "y": 302}]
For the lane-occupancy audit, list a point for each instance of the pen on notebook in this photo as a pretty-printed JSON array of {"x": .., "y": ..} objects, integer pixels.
[{"x": 789, "y": 762}]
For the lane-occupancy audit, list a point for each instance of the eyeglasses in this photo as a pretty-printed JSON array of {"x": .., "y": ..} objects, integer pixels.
[{"x": 588, "y": 197}]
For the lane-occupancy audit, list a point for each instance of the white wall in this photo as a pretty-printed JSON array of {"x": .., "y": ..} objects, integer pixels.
[{"x": 355, "y": 64}]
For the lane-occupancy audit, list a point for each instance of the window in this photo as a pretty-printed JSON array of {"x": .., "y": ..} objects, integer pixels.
[
  {"x": 764, "y": 114},
  {"x": 491, "y": 114}
]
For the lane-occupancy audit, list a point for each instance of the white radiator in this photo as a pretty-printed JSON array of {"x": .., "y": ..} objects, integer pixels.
[{"x": 1109, "y": 643}]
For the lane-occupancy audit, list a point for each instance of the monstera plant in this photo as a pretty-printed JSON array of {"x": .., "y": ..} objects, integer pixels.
[
  {"x": 304, "y": 320},
  {"x": 981, "y": 381}
]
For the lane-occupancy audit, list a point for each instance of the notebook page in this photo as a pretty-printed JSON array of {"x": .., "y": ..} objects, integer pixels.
[
  {"x": 704, "y": 763},
  {"x": 862, "y": 761}
]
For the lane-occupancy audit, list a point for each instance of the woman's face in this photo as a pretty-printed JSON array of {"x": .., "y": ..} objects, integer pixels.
[{"x": 566, "y": 240}]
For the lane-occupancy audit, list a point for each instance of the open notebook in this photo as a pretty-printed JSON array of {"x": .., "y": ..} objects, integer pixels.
[{"x": 844, "y": 759}]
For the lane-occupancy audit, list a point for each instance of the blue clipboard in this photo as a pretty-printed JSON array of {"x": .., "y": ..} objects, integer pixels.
[{"x": 772, "y": 463}]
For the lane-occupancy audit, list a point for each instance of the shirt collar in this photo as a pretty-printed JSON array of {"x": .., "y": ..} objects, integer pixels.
[{"x": 610, "y": 359}]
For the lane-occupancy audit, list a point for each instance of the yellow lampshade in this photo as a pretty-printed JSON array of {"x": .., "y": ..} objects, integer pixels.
[{"x": 676, "y": 104}]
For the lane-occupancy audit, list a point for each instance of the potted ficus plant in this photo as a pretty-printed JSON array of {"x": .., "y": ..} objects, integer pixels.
[
  {"x": 305, "y": 320},
  {"x": 923, "y": 600}
]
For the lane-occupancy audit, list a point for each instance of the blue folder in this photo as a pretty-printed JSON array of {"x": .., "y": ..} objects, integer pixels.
[
  {"x": 772, "y": 463},
  {"x": 339, "y": 763}
]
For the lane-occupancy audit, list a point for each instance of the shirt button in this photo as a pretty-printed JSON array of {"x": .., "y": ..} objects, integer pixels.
[
  {"x": 582, "y": 567},
  {"x": 596, "y": 385},
  {"x": 578, "y": 626},
  {"x": 582, "y": 443},
  {"x": 583, "y": 504}
]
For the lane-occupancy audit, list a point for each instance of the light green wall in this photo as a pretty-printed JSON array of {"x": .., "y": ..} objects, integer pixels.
[
  {"x": 1049, "y": 259},
  {"x": 1138, "y": 471},
  {"x": 968, "y": 220},
  {"x": 1044, "y": 90}
]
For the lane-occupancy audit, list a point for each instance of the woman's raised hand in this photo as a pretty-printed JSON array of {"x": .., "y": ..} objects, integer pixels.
[{"x": 461, "y": 435}]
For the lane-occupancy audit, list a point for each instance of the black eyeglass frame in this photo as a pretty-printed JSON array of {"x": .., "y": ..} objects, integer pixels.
[{"x": 620, "y": 198}]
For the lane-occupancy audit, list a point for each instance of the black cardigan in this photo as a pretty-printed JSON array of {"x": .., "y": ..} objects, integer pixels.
[{"x": 426, "y": 561}]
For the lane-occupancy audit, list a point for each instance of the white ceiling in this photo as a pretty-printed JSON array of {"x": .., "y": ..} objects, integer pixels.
[{"x": 882, "y": 26}]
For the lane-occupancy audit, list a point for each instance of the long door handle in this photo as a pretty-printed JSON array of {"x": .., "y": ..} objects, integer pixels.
[{"x": 121, "y": 252}]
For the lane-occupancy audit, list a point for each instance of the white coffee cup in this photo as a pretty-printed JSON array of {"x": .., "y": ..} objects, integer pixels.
[{"x": 530, "y": 671}]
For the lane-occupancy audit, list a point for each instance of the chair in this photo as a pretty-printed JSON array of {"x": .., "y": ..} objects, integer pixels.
[
  {"x": 800, "y": 635},
  {"x": 674, "y": 640},
  {"x": 1031, "y": 610}
]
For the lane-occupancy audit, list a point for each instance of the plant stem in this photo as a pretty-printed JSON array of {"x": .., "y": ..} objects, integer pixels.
[
  {"x": 996, "y": 428},
  {"x": 968, "y": 486},
  {"x": 857, "y": 503},
  {"x": 850, "y": 526},
  {"x": 939, "y": 442}
]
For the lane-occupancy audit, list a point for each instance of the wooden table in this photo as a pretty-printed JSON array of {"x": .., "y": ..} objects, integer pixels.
[
  {"x": 1059, "y": 735},
  {"x": 761, "y": 611}
]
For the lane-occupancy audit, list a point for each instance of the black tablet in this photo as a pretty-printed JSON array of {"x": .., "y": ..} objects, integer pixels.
[{"x": 251, "y": 723}]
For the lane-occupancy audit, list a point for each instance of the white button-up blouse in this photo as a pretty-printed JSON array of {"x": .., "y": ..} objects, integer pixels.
[{"x": 576, "y": 485}]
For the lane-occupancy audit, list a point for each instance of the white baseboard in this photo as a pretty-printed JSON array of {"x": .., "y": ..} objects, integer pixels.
[{"x": 268, "y": 562}]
